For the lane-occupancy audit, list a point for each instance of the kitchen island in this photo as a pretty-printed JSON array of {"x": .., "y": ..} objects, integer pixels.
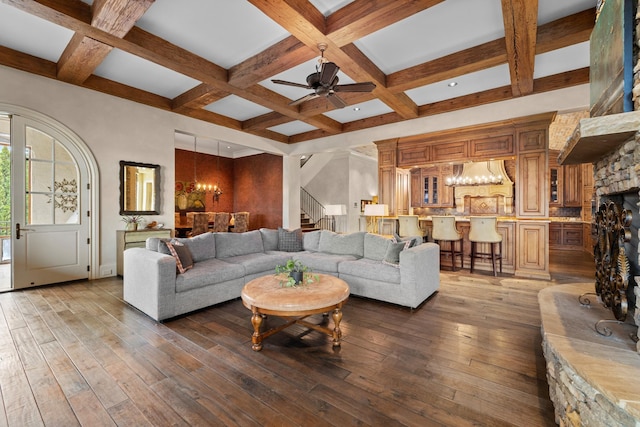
[{"x": 524, "y": 245}]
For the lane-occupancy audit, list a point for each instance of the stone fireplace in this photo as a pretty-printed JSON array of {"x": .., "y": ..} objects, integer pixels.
[{"x": 592, "y": 378}]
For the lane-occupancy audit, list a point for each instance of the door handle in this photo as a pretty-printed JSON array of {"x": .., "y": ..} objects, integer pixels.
[{"x": 18, "y": 229}]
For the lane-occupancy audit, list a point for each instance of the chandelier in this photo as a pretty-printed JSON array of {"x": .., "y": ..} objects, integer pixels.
[
  {"x": 201, "y": 186},
  {"x": 487, "y": 178}
]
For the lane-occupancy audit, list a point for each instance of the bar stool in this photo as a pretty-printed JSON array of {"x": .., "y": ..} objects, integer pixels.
[
  {"x": 410, "y": 226},
  {"x": 444, "y": 230},
  {"x": 484, "y": 229}
]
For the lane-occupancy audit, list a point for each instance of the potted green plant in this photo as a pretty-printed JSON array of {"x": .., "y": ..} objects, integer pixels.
[
  {"x": 132, "y": 222},
  {"x": 294, "y": 273}
]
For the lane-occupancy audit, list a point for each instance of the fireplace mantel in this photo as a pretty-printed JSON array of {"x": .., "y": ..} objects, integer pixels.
[{"x": 596, "y": 136}]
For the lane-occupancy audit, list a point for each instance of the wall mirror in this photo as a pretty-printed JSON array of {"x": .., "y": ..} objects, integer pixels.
[{"x": 139, "y": 188}]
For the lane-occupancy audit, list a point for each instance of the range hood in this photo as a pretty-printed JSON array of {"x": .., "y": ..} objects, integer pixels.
[{"x": 473, "y": 173}]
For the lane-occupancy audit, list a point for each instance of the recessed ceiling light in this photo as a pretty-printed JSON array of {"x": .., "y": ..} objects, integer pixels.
[
  {"x": 452, "y": 84},
  {"x": 356, "y": 108}
]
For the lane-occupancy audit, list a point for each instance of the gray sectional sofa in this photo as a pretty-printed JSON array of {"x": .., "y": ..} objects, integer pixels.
[{"x": 225, "y": 262}]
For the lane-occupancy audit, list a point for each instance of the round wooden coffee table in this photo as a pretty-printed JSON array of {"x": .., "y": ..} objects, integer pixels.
[{"x": 266, "y": 296}]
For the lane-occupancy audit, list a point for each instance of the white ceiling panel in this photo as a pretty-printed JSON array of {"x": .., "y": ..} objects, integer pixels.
[
  {"x": 293, "y": 128},
  {"x": 29, "y": 34},
  {"x": 327, "y": 7},
  {"x": 469, "y": 83},
  {"x": 372, "y": 108},
  {"x": 134, "y": 71},
  {"x": 433, "y": 33},
  {"x": 237, "y": 108},
  {"x": 561, "y": 60},
  {"x": 225, "y": 32}
]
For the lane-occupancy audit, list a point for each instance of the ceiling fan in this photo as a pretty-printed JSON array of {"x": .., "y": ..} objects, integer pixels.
[{"x": 324, "y": 82}]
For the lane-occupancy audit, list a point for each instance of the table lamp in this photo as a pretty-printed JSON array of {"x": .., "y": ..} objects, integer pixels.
[
  {"x": 375, "y": 211},
  {"x": 333, "y": 211}
]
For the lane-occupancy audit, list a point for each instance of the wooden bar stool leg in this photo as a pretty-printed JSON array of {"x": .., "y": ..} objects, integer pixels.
[
  {"x": 500, "y": 257},
  {"x": 453, "y": 255},
  {"x": 473, "y": 254},
  {"x": 493, "y": 258}
]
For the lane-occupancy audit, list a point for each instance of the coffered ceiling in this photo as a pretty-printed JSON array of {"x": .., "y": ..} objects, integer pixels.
[{"x": 214, "y": 59}]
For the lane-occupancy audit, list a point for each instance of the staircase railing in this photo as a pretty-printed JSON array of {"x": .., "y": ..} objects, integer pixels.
[{"x": 314, "y": 210}]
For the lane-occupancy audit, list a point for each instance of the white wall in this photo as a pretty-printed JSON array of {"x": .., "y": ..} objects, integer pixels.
[{"x": 344, "y": 180}]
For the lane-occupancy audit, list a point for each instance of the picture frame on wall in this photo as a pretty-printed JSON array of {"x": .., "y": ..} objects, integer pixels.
[{"x": 363, "y": 203}]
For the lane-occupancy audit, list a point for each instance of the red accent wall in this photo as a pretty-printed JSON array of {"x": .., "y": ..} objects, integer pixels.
[
  {"x": 252, "y": 184},
  {"x": 258, "y": 189}
]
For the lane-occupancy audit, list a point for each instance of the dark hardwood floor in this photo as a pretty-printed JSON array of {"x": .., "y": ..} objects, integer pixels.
[{"x": 76, "y": 354}]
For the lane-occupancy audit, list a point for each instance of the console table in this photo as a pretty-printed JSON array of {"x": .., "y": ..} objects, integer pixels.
[{"x": 134, "y": 239}]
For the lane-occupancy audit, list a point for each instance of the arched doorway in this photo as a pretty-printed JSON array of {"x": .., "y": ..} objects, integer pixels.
[{"x": 52, "y": 231}]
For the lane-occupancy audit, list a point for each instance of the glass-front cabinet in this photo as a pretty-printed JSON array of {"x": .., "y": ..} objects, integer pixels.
[{"x": 428, "y": 189}]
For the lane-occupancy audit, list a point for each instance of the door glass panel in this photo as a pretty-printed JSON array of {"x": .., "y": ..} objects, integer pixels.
[
  {"x": 52, "y": 181},
  {"x": 40, "y": 144},
  {"x": 5, "y": 203}
]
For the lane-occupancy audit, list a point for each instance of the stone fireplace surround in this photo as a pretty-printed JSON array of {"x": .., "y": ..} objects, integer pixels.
[{"x": 592, "y": 379}]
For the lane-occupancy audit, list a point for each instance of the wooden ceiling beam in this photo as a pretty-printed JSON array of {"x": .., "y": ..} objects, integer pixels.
[
  {"x": 363, "y": 17},
  {"x": 287, "y": 14},
  {"x": 198, "y": 97},
  {"x": 520, "y": 25},
  {"x": 551, "y": 36},
  {"x": 566, "y": 31},
  {"x": 83, "y": 54},
  {"x": 265, "y": 121}
]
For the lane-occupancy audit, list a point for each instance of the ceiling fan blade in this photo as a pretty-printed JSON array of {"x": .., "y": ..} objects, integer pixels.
[
  {"x": 284, "y": 82},
  {"x": 336, "y": 100},
  {"x": 328, "y": 73},
  {"x": 304, "y": 98},
  {"x": 355, "y": 87}
]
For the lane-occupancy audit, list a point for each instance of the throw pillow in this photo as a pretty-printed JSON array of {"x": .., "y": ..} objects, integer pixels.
[
  {"x": 392, "y": 257},
  {"x": 413, "y": 240},
  {"x": 289, "y": 240},
  {"x": 181, "y": 253}
]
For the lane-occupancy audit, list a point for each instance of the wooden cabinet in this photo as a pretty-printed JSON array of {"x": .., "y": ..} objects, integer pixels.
[
  {"x": 134, "y": 239},
  {"x": 564, "y": 235},
  {"x": 402, "y": 192},
  {"x": 428, "y": 187},
  {"x": 565, "y": 183},
  {"x": 531, "y": 185},
  {"x": 532, "y": 257}
]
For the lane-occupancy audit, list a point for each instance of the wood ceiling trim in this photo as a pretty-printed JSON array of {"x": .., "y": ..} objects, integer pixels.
[
  {"x": 520, "y": 26},
  {"x": 120, "y": 90},
  {"x": 28, "y": 63}
]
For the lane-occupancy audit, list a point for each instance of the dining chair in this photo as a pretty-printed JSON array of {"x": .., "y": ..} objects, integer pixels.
[
  {"x": 200, "y": 224},
  {"x": 221, "y": 222},
  {"x": 484, "y": 229},
  {"x": 241, "y": 223},
  {"x": 445, "y": 230}
]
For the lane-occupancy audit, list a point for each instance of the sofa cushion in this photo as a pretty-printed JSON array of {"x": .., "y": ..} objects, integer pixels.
[
  {"x": 322, "y": 262},
  {"x": 269, "y": 239},
  {"x": 342, "y": 244},
  {"x": 392, "y": 257},
  {"x": 375, "y": 246},
  {"x": 234, "y": 244},
  {"x": 371, "y": 270},
  {"x": 260, "y": 263},
  {"x": 202, "y": 246},
  {"x": 289, "y": 240},
  {"x": 311, "y": 240},
  {"x": 208, "y": 272},
  {"x": 181, "y": 253},
  {"x": 415, "y": 240}
]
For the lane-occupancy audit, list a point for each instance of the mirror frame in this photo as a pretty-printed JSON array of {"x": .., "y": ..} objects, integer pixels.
[{"x": 156, "y": 184}]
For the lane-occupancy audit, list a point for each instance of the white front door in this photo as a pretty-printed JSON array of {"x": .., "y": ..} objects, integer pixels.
[{"x": 50, "y": 219}]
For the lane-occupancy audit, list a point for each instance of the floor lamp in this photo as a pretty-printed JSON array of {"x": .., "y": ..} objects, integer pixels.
[
  {"x": 375, "y": 211},
  {"x": 333, "y": 211}
]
